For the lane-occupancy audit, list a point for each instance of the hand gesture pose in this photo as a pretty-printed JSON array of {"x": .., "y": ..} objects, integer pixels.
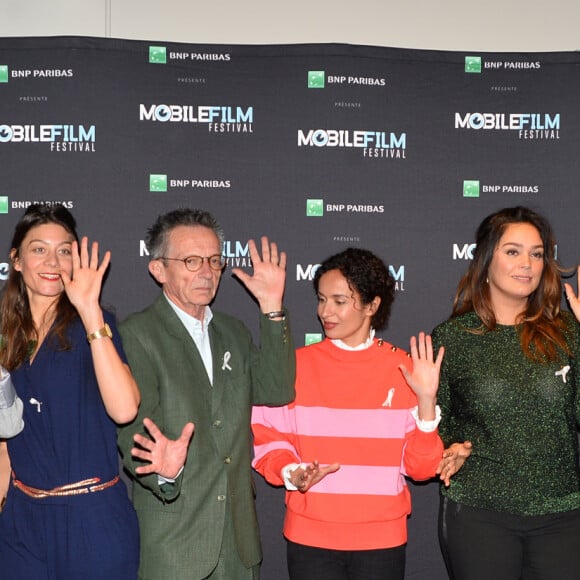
[
  {"x": 453, "y": 459},
  {"x": 305, "y": 478},
  {"x": 424, "y": 380},
  {"x": 269, "y": 277},
  {"x": 83, "y": 287},
  {"x": 573, "y": 299},
  {"x": 166, "y": 457}
]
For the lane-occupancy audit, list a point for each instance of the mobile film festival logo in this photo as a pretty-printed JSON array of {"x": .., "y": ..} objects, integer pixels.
[
  {"x": 60, "y": 137},
  {"x": 372, "y": 144},
  {"x": 3, "y": 73},
  {"x": 217, "y": 118},
  {"x": 524, "y": 125},
  {"x": 473, "y": 64},
  {"x": 306, "y": 273},
  {"x": 157, "y": 55},
  {"x": 316, "y": 79}
]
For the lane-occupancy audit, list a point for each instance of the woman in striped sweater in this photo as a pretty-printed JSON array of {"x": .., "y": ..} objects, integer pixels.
[{"x": 364, "y": 417}]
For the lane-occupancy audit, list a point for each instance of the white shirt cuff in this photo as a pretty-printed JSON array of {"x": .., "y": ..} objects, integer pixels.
[
  {"x": 427, "y": 426},
  {"x": 286, "y": 471},
  {"x": 161, "y": 480}
]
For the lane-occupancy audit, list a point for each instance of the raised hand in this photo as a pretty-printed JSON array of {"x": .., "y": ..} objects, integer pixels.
[
  {"x": 424, "y": 379},
  {"x": 574, "y": 299},
  {"x": 269, "y": 277},
  {"x": 166, "y": 456},
  {"x": 84, "y": 286},
  {"x": 453, "y": 459},
  {"x": 304, "y": 479}
]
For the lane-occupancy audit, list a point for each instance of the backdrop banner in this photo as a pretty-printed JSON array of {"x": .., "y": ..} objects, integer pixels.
[{"x": 320, "y": 147}]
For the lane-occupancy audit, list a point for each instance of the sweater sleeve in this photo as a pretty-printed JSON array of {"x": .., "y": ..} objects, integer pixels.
[
  {"x": 422, "y": 450},
  {"x": 422, "y": 453},
  {"x": 274, "y": 441}
]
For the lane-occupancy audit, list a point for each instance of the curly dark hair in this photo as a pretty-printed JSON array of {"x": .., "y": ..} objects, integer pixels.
[{"x": 365, "y": 274}]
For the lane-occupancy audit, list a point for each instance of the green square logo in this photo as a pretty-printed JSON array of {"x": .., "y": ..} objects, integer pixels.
[
  {"x": 157, "y": 54},
  {"x": 3, "y": 204},
  {"x": 157, "y": 182},
  {"x": 314, "y": 207},
  {"x": 312, "y": 338},
  {"x": 3, "y": 73},
  {"x": 471, "y": 189},
  {"x": 473, "y": 64},
  {"x": 316, "y": 79}
]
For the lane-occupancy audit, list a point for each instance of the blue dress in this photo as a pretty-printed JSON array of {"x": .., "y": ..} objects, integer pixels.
[{"x": 68, "y": 437}]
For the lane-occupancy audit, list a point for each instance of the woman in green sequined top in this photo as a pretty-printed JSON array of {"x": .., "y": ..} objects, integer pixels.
[{"x": 510, "y": 386}]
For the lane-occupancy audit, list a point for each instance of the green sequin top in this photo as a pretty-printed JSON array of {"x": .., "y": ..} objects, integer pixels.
[{"x": 521, "y": 416}]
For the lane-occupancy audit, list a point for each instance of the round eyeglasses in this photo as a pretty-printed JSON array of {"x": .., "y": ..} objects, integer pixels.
[{"x": 194, "y": 263}]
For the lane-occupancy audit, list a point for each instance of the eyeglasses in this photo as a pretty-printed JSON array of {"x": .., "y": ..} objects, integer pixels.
[{"x": 194, "y": 263}]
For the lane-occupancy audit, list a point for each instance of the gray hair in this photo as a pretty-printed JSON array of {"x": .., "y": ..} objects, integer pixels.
[{"x": 158, "y": 234}]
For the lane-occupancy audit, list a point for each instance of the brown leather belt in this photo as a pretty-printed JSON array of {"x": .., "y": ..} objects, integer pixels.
[{"x": 91, "y": 485}]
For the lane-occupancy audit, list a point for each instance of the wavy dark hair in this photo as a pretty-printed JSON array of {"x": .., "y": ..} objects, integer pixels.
[
  {"x": 16, "y": 324},
  {"x": 541, "y": 326},
  {"x": 366, "y": 274}
]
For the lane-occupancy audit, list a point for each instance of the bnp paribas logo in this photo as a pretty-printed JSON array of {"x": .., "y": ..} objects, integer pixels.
[
  {"x": 3, "y": 204},
  {"x": 316, "y": 79},
  {"x": 473, "y": 64},
  {"x": 157, "y": 54},
  {"x": 3, "y": 73},
  {"x": 314, "y": 207},
  {"x": 312, "y": 338},
  {"x": 157, "y": 182},
  {"x": 471, "y": 188}
]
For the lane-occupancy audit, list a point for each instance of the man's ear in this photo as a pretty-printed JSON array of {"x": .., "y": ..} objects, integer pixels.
[{"x": 157, "y": 270}]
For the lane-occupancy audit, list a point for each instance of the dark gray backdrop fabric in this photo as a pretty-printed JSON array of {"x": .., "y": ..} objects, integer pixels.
[{"x": 320, "y": 147}]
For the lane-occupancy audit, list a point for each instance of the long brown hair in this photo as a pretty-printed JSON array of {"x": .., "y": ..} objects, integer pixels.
[
  {"x": 541, "y": 326},
  {"x": 16, "y": 324}
]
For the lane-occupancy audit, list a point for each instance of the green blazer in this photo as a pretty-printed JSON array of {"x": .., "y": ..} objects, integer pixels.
[{"x": 181, "y": 524}]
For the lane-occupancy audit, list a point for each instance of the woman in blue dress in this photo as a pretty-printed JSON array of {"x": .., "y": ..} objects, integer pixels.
[{"x": 66, "y": 514}]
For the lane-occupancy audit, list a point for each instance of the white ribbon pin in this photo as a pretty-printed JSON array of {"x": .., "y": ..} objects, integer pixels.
[
  {"x": 389, "y": 400},
  {"x": 563, "y": 372},
  {"x": 36, "y": 402},
  {"x": 227, "y": 357}
]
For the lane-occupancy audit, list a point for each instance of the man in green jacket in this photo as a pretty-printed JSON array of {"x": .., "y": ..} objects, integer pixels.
[{"x": 199, "y": 373}]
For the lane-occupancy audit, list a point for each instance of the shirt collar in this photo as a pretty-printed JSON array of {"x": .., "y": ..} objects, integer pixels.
[
  {"x": 364, "y": 345},
  {"x": 190, "y": 322}
]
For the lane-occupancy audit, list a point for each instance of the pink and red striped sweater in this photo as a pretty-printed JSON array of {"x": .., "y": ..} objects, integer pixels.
[{"x": 354, "y": 408}]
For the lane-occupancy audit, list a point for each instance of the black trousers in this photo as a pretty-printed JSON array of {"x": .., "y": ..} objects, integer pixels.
[
  {"x": 486, "y": 545},
  {"x": 308, "y": 563}
]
